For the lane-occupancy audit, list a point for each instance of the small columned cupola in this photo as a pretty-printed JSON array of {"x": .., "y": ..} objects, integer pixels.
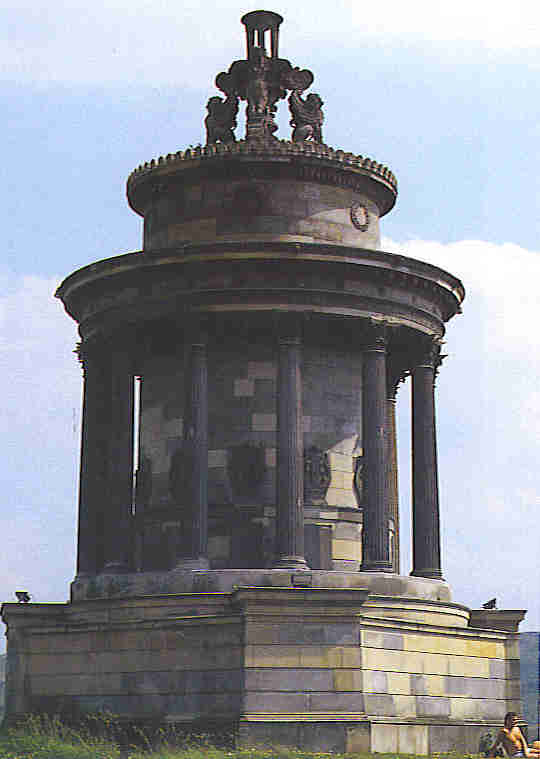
[
  {"x": 263, "y": 186},
  {"x": 257, "y": 23}
]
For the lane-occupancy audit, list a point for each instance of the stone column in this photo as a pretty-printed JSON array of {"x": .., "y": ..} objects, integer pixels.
[
  {"x": 426, "y": 532},
  {"x": 118, "y": 517},
  {"x": 393, "y": 494},
  {"x": 290, "y": 445},
  {"x": 375, "y": 537},
  {"x": 395, "y": 374},
  {"x": 195, "y": 450},
  {"x": 94, "y": 459}
]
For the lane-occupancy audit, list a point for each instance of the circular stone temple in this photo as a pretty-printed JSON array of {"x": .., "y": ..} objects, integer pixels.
[
  {"x": 238, "y": 514},
  {"x": 263, "y": 335}
]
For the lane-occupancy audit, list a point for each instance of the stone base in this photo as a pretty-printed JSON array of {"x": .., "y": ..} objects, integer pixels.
[
  {"x": 364, "y": 736},
  {"x": 202, "y": 580},
  {"x": 330, "y": 668}
]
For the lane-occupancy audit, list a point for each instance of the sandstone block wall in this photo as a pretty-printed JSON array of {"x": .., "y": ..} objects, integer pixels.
[
  {"x": 242, "y": 397},
  {"x": 134, "y": 659},
  {"x": 259, "y": 210},
  {"x": 300, "y": 666}
]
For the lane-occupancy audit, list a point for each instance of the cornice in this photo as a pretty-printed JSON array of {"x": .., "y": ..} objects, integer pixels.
[
  {"x": 265, "y": 150},
  {"x": 392, "y": 266},
  {"x": 312, "y": 162}
]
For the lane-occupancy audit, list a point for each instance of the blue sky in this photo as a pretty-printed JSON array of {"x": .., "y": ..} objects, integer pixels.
[{"x": 447, "y": 97}]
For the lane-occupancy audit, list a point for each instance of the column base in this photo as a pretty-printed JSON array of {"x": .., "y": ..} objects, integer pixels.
[
  {"x": 377, "y": 566},
  {"x": 201, "y": 562},
  {"x": 290, "y": 562},
  {"x": 115, "y": 568},
  {"x": 431, "y": 574},
  {"x": 84, "y": 576}
]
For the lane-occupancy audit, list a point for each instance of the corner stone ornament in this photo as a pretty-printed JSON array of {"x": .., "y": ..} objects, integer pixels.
[{"x": 261, "y": 80}]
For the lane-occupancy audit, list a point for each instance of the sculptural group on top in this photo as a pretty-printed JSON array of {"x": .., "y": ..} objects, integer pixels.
[{"x": 261, "y": 80}]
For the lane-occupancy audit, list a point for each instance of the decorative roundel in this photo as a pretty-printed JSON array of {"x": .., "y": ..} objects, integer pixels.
[{"x": 359, "y": 217}]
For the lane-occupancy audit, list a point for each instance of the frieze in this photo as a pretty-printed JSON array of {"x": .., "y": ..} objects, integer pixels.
[
  {"x": 360, "y": 303},
  {"x": 443, "y": 292}
]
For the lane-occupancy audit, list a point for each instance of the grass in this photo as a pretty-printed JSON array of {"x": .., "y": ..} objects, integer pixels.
[{"x": 101, "y": 736}]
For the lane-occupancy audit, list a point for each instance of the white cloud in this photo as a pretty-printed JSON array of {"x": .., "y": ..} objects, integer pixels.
[
  {"x": 39, "y": 427},
  {"x": 155, "y": 43},
  {"x": 488, "y": 424},
  {"x": 490, "y": 23}
]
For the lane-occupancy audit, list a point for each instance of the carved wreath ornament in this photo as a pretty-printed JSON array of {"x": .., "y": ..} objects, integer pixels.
[{"x": 359, "y": 217}]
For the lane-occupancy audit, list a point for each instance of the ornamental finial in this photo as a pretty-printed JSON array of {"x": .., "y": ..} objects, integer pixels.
[{"x": 261, "y": 79}]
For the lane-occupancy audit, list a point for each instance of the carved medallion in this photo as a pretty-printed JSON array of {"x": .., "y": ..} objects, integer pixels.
[
  {"x": 359, "y": 217},
  {"x": 317, "y": 475},
  {"x": 246, "y": 468}
]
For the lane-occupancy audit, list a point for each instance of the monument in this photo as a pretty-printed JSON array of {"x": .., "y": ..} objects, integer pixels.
[{"x": 238, "y": 538}]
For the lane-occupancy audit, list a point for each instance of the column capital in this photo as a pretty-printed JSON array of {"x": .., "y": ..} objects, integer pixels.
[
  {"x": 289, "y": 327},
  {"x": 376, "y": 336},
  {"x": 397, "y": 372},
  {"x": 195, "y": 327},
  {"x": 88, "y": 353},
  {"x": 430, "y": 355}
]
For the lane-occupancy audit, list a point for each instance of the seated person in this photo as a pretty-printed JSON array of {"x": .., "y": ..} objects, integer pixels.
[{"x": 512, "y": 740}]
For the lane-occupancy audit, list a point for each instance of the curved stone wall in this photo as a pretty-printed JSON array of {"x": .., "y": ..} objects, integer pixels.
[{"x": 269, "y": 192}]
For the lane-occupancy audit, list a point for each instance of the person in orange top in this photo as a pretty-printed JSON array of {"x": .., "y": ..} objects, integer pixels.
[{"x": 512, "y": 740}]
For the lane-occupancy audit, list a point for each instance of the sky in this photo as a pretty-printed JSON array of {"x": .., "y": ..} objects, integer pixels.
[{"x": 446, "y": 95}]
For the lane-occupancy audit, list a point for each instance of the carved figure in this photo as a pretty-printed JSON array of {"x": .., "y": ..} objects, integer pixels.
[
  {"x": 259, "y": 94},
  {"x": 296, "y": 79},
  {"x": 307, "y": 117},
  {"x": 317, "y": 475},
  {"x": 221, "y": 119}
]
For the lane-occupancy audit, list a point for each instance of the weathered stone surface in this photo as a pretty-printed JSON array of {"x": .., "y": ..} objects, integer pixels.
[
  {"x": 288, "y": 680},
  {"x": 312, "y": 656}
]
